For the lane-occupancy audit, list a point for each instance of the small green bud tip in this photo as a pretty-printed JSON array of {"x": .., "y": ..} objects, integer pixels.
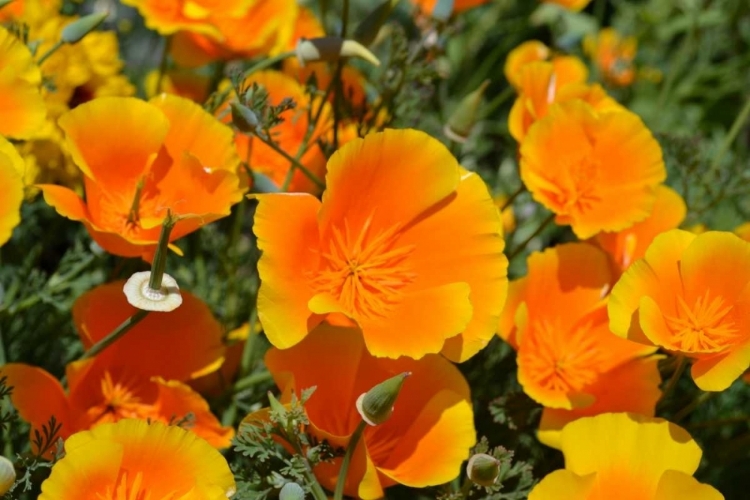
[
  {"x": 463, "y": 119},
  {"x": 7, "y": 475},
  {"x": 376, "y": 405},
  {"x": 75, "y": 31},
  {"x": 483, "y": 469},
  {"x": 292, "y": 491},
  {"x": 275, "y": 404},
  {"x": 244, "y": 118},
  {"x": 331, "y": 49}
]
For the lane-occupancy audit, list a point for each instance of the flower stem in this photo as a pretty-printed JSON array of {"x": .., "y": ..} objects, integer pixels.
[
  {"x": 338, "y": 494},
  {"x": 162, "y": 249},
  {"x": 518, "y": 192},
  {"x": 267, "y": 62},
  {"x": 681, "y": 364},
  {"x": 735, "y": 129},
  {"x": 520, "y": 248},
  {"x": 115, "y": 334},
  {"x": 296, "y": 163},
  {"x": 51, "y": 51},
  {"x": 252, "y": 380}
]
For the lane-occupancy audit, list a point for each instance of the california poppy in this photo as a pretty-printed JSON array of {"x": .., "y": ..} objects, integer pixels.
[
  {"x": 582, "y": 164},
  {"x": 11, "y": 178},
  {"x": 374, "y": 251},
  {"x": 613, "y": 55},
  {"x": 621, "y": 455},
  {"x": 138, "y": 459},
  {"x": 568, "y": 69},
  {"x": 681, "y": 297},
  {"x": 424, "y": 441},
  {"x": 568, "y": 360},
  {"x": 150, "y": 157},
  {"x": 121, "y": 382}
]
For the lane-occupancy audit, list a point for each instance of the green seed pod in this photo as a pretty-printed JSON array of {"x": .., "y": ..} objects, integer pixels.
[
  {"x": 292, "y": 491},
  {"x": 483, "y": 469},
  {"x": 7, "y": 475},
  {"x": 465, "y": 115},
  {"x": 75, "y": 31},
  {"x": 376, "y": 405},
  {"x": 244, "y": 118}
]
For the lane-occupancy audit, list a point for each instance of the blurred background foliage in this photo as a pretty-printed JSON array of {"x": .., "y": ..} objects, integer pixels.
[{"x": 692, "y": 90}]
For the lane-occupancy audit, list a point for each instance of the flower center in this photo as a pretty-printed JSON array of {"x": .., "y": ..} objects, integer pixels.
[
  {"x": 706, "y": 327},
  {"x": 128, "y": 489},
  {"x": 365, "y": 270},
  {"x": 559, "y": 361},
  {"x": 583, "y": 176},
  {"x": 118, "y": 402}
]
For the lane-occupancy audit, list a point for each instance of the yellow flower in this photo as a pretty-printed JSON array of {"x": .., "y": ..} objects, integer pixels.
[
  {"x": 11, "y": 180},
  {"x": 135, "y": 459},
  {"x": 621, "y": 455}
]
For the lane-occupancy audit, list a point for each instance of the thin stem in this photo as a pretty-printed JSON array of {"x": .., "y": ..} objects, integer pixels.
[
  {"x": 344, "y": 18},
  {"x": 268, "y": 62},
  {"x": 162, "y": 249},
  {"x": 695, "y": 403},
  {"x": 466, "y": 488},
  {"x": 134, "y": 213},
  {"x": 115, "y": 334},
  {"x": 51, "y": 51},
  {"x": 681, "y": 364},
  {"x": 735, "y": 129},
  {"x": 498, "y": 101},
  {"x": 520, "y": 248},
  {"x": 338, "y": 494},
  {"x": 163, "y": 63},
  {"x": 518, "y": 192},
  {"x": 252, "y": 380},
  {"x": 293, "y": 161}
]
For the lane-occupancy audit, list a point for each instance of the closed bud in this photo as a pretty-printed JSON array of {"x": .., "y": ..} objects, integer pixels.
[
  {"x": 292, "y": 491},
  {"x": 75, "y": 31},
  {"x": 7, "y": 475},
  {"x": 244, "y": 118},
  {"x": 483, "y": 469},
  {"x": 331, "y": 49},
  {"x": 376, "y": 405},
  {"x": 463, "y": 119}
]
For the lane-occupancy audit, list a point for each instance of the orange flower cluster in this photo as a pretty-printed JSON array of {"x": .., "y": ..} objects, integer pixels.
[{"x": 613, "y": 56}]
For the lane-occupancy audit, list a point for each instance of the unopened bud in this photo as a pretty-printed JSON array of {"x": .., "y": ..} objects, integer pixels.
[
  {"x": 483, "y": 469},
  {"x": 7, "y": 475},
  {"x": 331, "y": 48},
  {"x": 292, "y": 491},
  {"x": 370, "y": 26},
  {"x": 463, "y": 119},
  {"x": 244, "y": 118},
  {"x": 376, "y": 405},
  {"x": 75, "y": 31},
  {"x": 140, "y": 294}
]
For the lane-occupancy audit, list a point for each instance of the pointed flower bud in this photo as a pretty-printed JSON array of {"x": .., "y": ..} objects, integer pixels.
[
  {"x": 369, "y": 28},
  {"x": 140, "y": 294},
  {"x": 75, "y": 31},
  {"x": 331, "y": 48},
  {"x": 7, "y": 475},
  {"x": 292, "y": 491},
  {"x": 483, "y": 469},
  {"x": 376, "y": 405},
  {"x": 464, "y": 117},
  {"x": 244, "y": 118}
]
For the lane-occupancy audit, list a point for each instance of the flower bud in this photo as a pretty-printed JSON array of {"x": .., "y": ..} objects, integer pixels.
[
  {"x": 292, "y": 491},
  {"x": 376, "y": 405},
  {"x": 370, "y": 26},
  {"x": 75, "y": 31},
  {"x": 483, "y": 469},
  {"x": 140, "y": 294},
  {"x": 7, "y": 475},
  {"x": 464, "y": 117},
  {"x": 244, "y": 118},
  {"x": 331, "y": 48}
]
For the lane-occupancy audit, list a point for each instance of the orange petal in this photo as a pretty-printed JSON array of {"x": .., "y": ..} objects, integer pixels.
[
  {"x": 21, "y": 106},
  {"x": 517, "y": 293},
  {"x": 677, "y": 484},
  {"x": 65, "y": 202},
  {"x": 532, "y": 50},
  {"x": 287, "y": 232},
  {"x": 12, "y": 182},
  {"x": 391, "y": 177},
  {"x": 563, "y": 485},
  {"x": 718, "y": 372},
  {"x": 127, "y": 135}
]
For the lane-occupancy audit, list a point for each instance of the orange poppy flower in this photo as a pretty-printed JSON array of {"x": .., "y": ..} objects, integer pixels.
[
  {"x": 625, "y": 247},
  {"x": 689, "y": 295},
  {"x": 620, "y": 455},
  {"x": 11, "y": 178},
  {"x": 121, "y": 382},
  {"x": 597, "y": 171},
  {"x": 428, "y": 6},
  {"x": 21, "y": 103},
  {"x": 137, "y": 459},
  {"x": 374, "y": 251},
  {"x": 167, "y": 153},
  {"x": 262, "y": 27},
  {"x": 424, "y": 441},
  {"x": 289, "y": 135},
  {"x": 540, "y": 87},
  {"x": 613, "y": 55},
  {"x": 170, "y": 16},
  {"x": 568, "y": 360},
  {"x": 568, "y": 69},
  {"x": 575, "y": 5}
]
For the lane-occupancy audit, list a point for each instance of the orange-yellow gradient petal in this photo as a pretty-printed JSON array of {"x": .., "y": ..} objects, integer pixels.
[
  {"x": 11, "y": 178},
  {"x": 574, "y": 5},
  {"x": 597, "y": 171},
  {"x": 138, "y": 459},
  {"x": 429, "y": 433},
  {"x": 689, "y": 302}
]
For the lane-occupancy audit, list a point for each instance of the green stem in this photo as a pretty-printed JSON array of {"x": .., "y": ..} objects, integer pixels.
[
  {"x": 115, "y": 334},
  {"x": 338, "y": 494},
  {"x": 498, "y": 101},
  {"x": 268, "y": 62},
  {"x": 520, "y": 248},
  {"x": 51, "y": 51},
  {"x": 466, "y": 488},
  {"x": 695, "y": 403},
  {"x": 252, "y": 380},
  {"x": 162, "y": 249},
  {"x": 518, "y": 192},
  {"x": 681, "y": 364},
  {"x": 735, "y": 129},
  {"x": 344, "y": 18},
  {"x": 293, "y": 161},
  {"x": 163, "y": 63}
]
